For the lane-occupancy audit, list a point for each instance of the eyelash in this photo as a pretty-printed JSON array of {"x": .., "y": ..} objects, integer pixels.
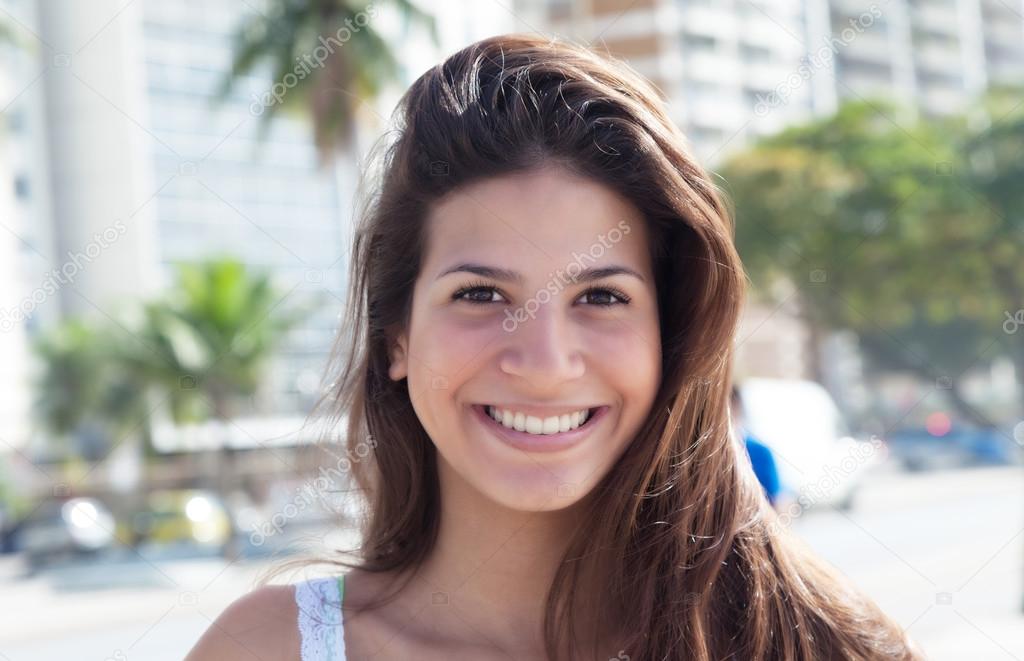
[{"x": 457, "y": 296}]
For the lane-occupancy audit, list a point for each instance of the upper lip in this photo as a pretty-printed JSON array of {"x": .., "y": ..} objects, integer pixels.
[{"x": 542, "y": 410}]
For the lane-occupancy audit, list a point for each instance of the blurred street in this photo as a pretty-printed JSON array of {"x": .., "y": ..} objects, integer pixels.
[
  {"x": 139, "y": 608},
  {"x": 912, "y": 538},
  {"x": 908, "y": 540}
]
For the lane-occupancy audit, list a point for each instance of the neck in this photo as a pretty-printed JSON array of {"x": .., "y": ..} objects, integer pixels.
[{"x": 495, "y": 565}]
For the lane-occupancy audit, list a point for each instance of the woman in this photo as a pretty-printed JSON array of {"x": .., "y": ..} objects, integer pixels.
[{"x": 544, "y": 295}]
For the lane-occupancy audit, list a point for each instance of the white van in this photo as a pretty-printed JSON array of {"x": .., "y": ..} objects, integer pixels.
[{"x": 819, "y": 462}]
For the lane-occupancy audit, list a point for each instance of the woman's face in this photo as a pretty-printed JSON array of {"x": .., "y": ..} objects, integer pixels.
[{"x": 512, "y": 317}]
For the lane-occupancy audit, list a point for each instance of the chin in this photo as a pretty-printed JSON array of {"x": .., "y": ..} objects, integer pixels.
[{"x": 525, "y": 486}]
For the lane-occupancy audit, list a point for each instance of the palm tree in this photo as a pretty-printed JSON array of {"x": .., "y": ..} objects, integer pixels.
[
  {"x": 80, "y": 386},
  {"x": 202, "y": 348},
  {"x": 208, "y": 343},
  {"x": 206, "y": 346},
  {"x": 326, "y": 59}
]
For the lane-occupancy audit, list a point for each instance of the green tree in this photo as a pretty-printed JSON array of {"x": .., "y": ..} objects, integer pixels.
[
  {"x": 206, "y": 345},
  {"x": 326, "y": 57},
  {"x": 991, "y": 174},
  {"x": 881, "y": 223},
  {"x": 202, "y": 347},
  {"x": 81, "y": 386}
]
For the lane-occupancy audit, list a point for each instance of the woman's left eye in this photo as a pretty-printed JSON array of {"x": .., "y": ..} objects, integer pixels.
[{"x": 603, "y": 292}]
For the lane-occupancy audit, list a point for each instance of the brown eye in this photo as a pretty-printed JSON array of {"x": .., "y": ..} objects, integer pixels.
[
  {"x": 605, "y": 297},
  {"x": 476, "y": 294}
]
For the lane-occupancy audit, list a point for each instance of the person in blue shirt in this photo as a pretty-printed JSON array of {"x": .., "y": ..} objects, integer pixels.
[{"x": 761, "y": 458}]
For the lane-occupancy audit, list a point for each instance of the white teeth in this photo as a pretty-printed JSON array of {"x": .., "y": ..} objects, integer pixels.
[
  {"x": 534, "y": 425},
  {"x": 564, "y": 422}
]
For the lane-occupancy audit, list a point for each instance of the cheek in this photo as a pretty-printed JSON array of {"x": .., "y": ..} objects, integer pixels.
[
  {"x": 455, "y": 337},
  {"x": 443, "y": 348},
  {"x": 628, "y": 357}
]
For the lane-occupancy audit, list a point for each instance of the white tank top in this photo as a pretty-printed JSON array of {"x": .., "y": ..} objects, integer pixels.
[{"x": 321, "y": 629}]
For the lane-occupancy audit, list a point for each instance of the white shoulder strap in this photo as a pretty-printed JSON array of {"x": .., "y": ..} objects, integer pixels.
[{"x": 321, "y": 628}]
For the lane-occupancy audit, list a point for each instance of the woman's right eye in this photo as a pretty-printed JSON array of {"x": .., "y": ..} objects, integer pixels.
[{"x": 478, "y": 295}]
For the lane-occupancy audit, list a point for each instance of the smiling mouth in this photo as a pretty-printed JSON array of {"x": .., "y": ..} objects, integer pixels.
[{"x": 540, "y": 426}]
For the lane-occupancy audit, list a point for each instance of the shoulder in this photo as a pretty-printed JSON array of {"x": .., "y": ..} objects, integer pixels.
[{"x": 259, "y": 625}]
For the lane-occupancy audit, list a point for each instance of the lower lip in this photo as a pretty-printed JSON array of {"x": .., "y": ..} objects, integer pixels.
[{"x": 540, "y": 442}]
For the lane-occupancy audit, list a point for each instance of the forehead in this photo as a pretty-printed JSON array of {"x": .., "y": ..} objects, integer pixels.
[{"x": 541, "y": 219}]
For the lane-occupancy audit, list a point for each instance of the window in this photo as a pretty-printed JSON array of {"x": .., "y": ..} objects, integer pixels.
[
  {"x": 699, "y": 43},
  {"x": 752, "y": 53},
  {"x": 21, "y": 187}
]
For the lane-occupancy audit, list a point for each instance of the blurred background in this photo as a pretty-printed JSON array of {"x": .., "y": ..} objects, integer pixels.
[{"x": 176, "y": 200}]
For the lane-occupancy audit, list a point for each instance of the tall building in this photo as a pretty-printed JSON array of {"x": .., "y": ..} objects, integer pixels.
[
  {"x": 731, "y": 70},
  {"x": 25, "y": 252},
  {"x": 935, "y": 55},
  {"x": 717, "y": 64},
  {"x": 147, "y": 168}
]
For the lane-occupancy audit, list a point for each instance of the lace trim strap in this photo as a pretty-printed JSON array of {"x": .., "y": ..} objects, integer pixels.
[{"x": 321, "y": 626}]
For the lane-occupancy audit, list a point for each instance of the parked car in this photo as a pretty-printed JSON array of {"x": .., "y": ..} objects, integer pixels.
[
  {"x": 819, "y": 461},
  {"x": 959, "y": 445},
  {"x": 194, "y": 518},
  {"x": 63, "y": 529}
]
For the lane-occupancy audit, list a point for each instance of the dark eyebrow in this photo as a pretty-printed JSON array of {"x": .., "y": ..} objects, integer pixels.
[{"x": 506, "y": 275}]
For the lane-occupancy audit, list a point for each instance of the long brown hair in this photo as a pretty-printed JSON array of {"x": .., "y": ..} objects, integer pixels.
[{"x": 677, "y": 543}]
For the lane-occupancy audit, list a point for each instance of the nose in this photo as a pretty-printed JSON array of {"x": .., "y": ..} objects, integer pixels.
[{"x": 543, "y": 349}]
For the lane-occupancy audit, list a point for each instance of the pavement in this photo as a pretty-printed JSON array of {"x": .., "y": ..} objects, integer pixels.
[{"x": 942, "y": 553}]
